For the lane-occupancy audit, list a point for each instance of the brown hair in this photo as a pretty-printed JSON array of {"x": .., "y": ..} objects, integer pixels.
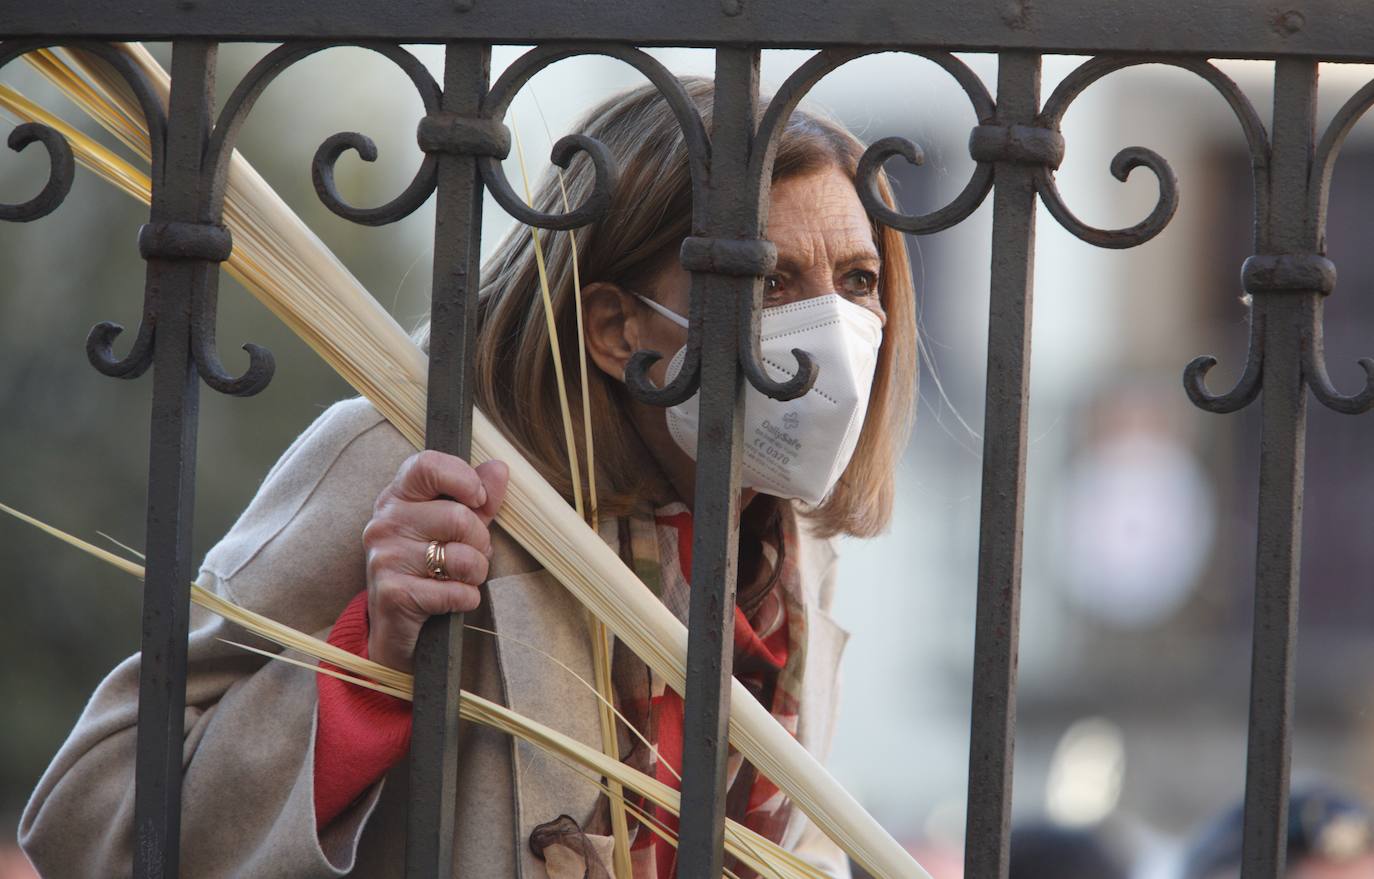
[{"x": 650, "y": 214}]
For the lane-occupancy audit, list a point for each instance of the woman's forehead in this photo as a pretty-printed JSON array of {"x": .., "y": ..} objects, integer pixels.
[{"x": 819, "y": 215}]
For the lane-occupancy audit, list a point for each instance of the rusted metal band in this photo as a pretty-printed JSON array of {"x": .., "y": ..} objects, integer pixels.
[
  {"x": 744, "y": 257},
  {"x": 445, "y": 132},
  {"x": 1288, "y": 273},
  {"x": 1022, "y": 144},
  {"x": 185, "y": 241}
]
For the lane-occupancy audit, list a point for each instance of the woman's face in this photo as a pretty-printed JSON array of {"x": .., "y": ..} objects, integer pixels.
[{"x": 825, "y": 245}]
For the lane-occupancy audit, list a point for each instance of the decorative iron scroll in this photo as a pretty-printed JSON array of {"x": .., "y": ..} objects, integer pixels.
[
  {"x": 220, "y": 149},
  {"x": 251, "y": 87},
  {"x": 488, "y": 138},
  {"x": 1257, "y": 142},
  {"x": 61, "y": 168},
  {"x": 783, "y": 103},
  {"x": 99, "y": 342},
  {"x": 205, "y": 240},
  {"x": 698, "y": 146},
  {"x": 1319, "y": 189},
  {"x": 700, "y": 254},
  {"x": 820, "y": 65},
  {"x": 1265, "y": 274},
  {"x": 61, "y": 172}
]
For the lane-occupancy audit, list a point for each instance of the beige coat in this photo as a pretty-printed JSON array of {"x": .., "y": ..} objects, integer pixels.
[{"x": 247, "y": 808}]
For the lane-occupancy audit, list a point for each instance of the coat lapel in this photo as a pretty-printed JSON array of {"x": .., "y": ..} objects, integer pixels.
[
  {"x": 536, "y": 619},
  {"x": 825, "y": 642}
]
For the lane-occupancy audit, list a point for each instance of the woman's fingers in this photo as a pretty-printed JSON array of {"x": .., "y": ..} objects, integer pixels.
[
  {"x": 408, "y": 557},
  {"x": 495, "y": 476},
  {"x": 419, "y": 598},
  {"x": 429, "y": 474},
  {"x": 464, "y": 563},
  {"x": 399, "y": 606},
  {"x": 434, "y": 497},
  {"x": 440, "y": 520}
]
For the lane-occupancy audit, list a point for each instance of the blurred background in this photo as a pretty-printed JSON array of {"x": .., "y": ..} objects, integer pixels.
[{"x": 1139, "y": 538}]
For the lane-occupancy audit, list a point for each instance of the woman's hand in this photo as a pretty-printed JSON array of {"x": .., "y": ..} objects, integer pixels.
[{"x": 412, "y": 511}]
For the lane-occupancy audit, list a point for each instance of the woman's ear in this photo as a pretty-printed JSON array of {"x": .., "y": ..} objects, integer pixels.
[{"x": 610, "y": 323}]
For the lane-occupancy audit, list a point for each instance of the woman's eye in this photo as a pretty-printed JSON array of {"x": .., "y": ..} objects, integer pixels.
[
  {"x": 772, "y": 286},
  {"x": 861, "y": 283}
]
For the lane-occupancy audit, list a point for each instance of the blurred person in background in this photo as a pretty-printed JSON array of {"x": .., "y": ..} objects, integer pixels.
[
  {"x": 1330, "y": 836},
  {"x": 1043, "y": 850}
]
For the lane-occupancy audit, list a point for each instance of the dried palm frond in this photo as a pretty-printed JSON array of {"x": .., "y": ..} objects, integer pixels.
[
  {"x": 601, "y": 638},
  {"x": 299, "y": 279},
  {"x": 555, "y": 350},
  {"x": 759, "y": 853}
]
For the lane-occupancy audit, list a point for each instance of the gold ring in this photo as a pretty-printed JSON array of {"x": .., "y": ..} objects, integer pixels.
[{"x": 434, "y": 560}]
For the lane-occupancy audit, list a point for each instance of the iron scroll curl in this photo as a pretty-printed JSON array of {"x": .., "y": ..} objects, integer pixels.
[
  {"x": 605, "y": 175},
  {"x": 61, "y": 172},
  {"x": 1314, "y": 371},
  {"x": 61, "y": 163},
  {"x": 219, "y": 151},
  {"x": 503, "y": 92},
  {"x": 1130, "y": 158},
  {"x": 804, "y": 78},
  {"x": 245, "y": 95},
  {"x": 784, "y": 102},
  {"x": 1319, "y": 189},
  {"x": 1328, "y": 149},
  {"x": 1247, "y": 386},
  {"x": 100, "y": 339},
  {"x": 1286, "y": 274}
]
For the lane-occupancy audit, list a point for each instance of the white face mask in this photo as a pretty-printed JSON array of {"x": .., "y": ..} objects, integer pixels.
[{"x": 797, "y": 448}]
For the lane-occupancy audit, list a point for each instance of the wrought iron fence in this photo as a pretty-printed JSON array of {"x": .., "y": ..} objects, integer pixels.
[{"x": 1017, "y": 147}]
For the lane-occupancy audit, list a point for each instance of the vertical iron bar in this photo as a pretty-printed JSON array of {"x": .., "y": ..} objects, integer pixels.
[
  {"x": 1289, "y": 323},
  {"x": 715, "y": 509},
  {"x": 171, "y": 474},
  {"x": 448, "y": 428},
  {"x": 992, "y": 725}
]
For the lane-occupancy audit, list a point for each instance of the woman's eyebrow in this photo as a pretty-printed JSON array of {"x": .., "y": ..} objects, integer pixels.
[{"x": 861, "y": 254}]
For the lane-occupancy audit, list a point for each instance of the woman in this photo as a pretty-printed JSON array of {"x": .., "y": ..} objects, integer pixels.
[{"x": 355, "y": 537}]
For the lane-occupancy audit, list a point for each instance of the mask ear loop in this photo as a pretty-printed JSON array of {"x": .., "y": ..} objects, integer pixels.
[
  {"x": 663, "y": 310},
  {"x": 680, "y": 388}
]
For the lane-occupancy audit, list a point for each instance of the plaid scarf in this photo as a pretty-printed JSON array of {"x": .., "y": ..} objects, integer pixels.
[{"x": 769, "y": 655}]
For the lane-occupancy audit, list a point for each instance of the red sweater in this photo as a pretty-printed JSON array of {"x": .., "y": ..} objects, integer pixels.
[{"x": 361, "y": 733}]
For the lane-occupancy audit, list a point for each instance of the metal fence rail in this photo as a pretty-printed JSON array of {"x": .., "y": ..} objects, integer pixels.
[{"x": 1017, "y": 147}]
